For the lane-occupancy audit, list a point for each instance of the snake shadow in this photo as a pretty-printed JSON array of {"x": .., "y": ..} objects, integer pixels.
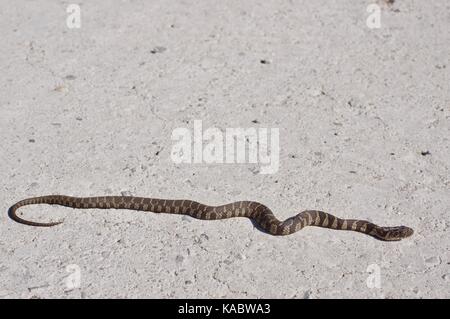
[{"x": 258, "y": 227}]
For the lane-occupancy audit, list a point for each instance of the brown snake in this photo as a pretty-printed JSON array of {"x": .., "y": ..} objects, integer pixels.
[{"x": 257, "y": 212}]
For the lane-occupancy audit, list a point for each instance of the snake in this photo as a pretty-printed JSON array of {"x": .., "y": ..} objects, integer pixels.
[{"x": 261, "y": 215}]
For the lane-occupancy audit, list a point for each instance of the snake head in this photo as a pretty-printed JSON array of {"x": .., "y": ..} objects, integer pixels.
[{"x": 396, "y": 233}]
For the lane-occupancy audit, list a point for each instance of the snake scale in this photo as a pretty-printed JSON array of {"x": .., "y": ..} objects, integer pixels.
[{"x": 260, "y": 214}]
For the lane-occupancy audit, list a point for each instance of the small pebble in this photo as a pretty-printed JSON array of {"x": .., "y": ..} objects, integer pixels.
[
  {"x": 241, "y": 256},
  {"x": 316, "y": 92},
  {"x": 179, "y": 259},
  {"x": 60, "y": 88},
  {"x": 70, "y": 77},
  {"x": 227, "y": 261},
  {"x": 200, "y": 239},
  {"x": 158, "y": 50},
  {"x": 264, "y": 62}
]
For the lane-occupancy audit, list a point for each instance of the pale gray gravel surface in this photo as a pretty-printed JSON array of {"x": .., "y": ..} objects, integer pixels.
[{"x": 364, "y": 121}]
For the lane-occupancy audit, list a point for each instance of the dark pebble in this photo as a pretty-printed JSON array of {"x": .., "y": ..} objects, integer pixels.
[{"x": 158, "y": 50}]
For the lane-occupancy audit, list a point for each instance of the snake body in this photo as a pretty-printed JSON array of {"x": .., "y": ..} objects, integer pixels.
[{"x": 260, "y": 214}]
